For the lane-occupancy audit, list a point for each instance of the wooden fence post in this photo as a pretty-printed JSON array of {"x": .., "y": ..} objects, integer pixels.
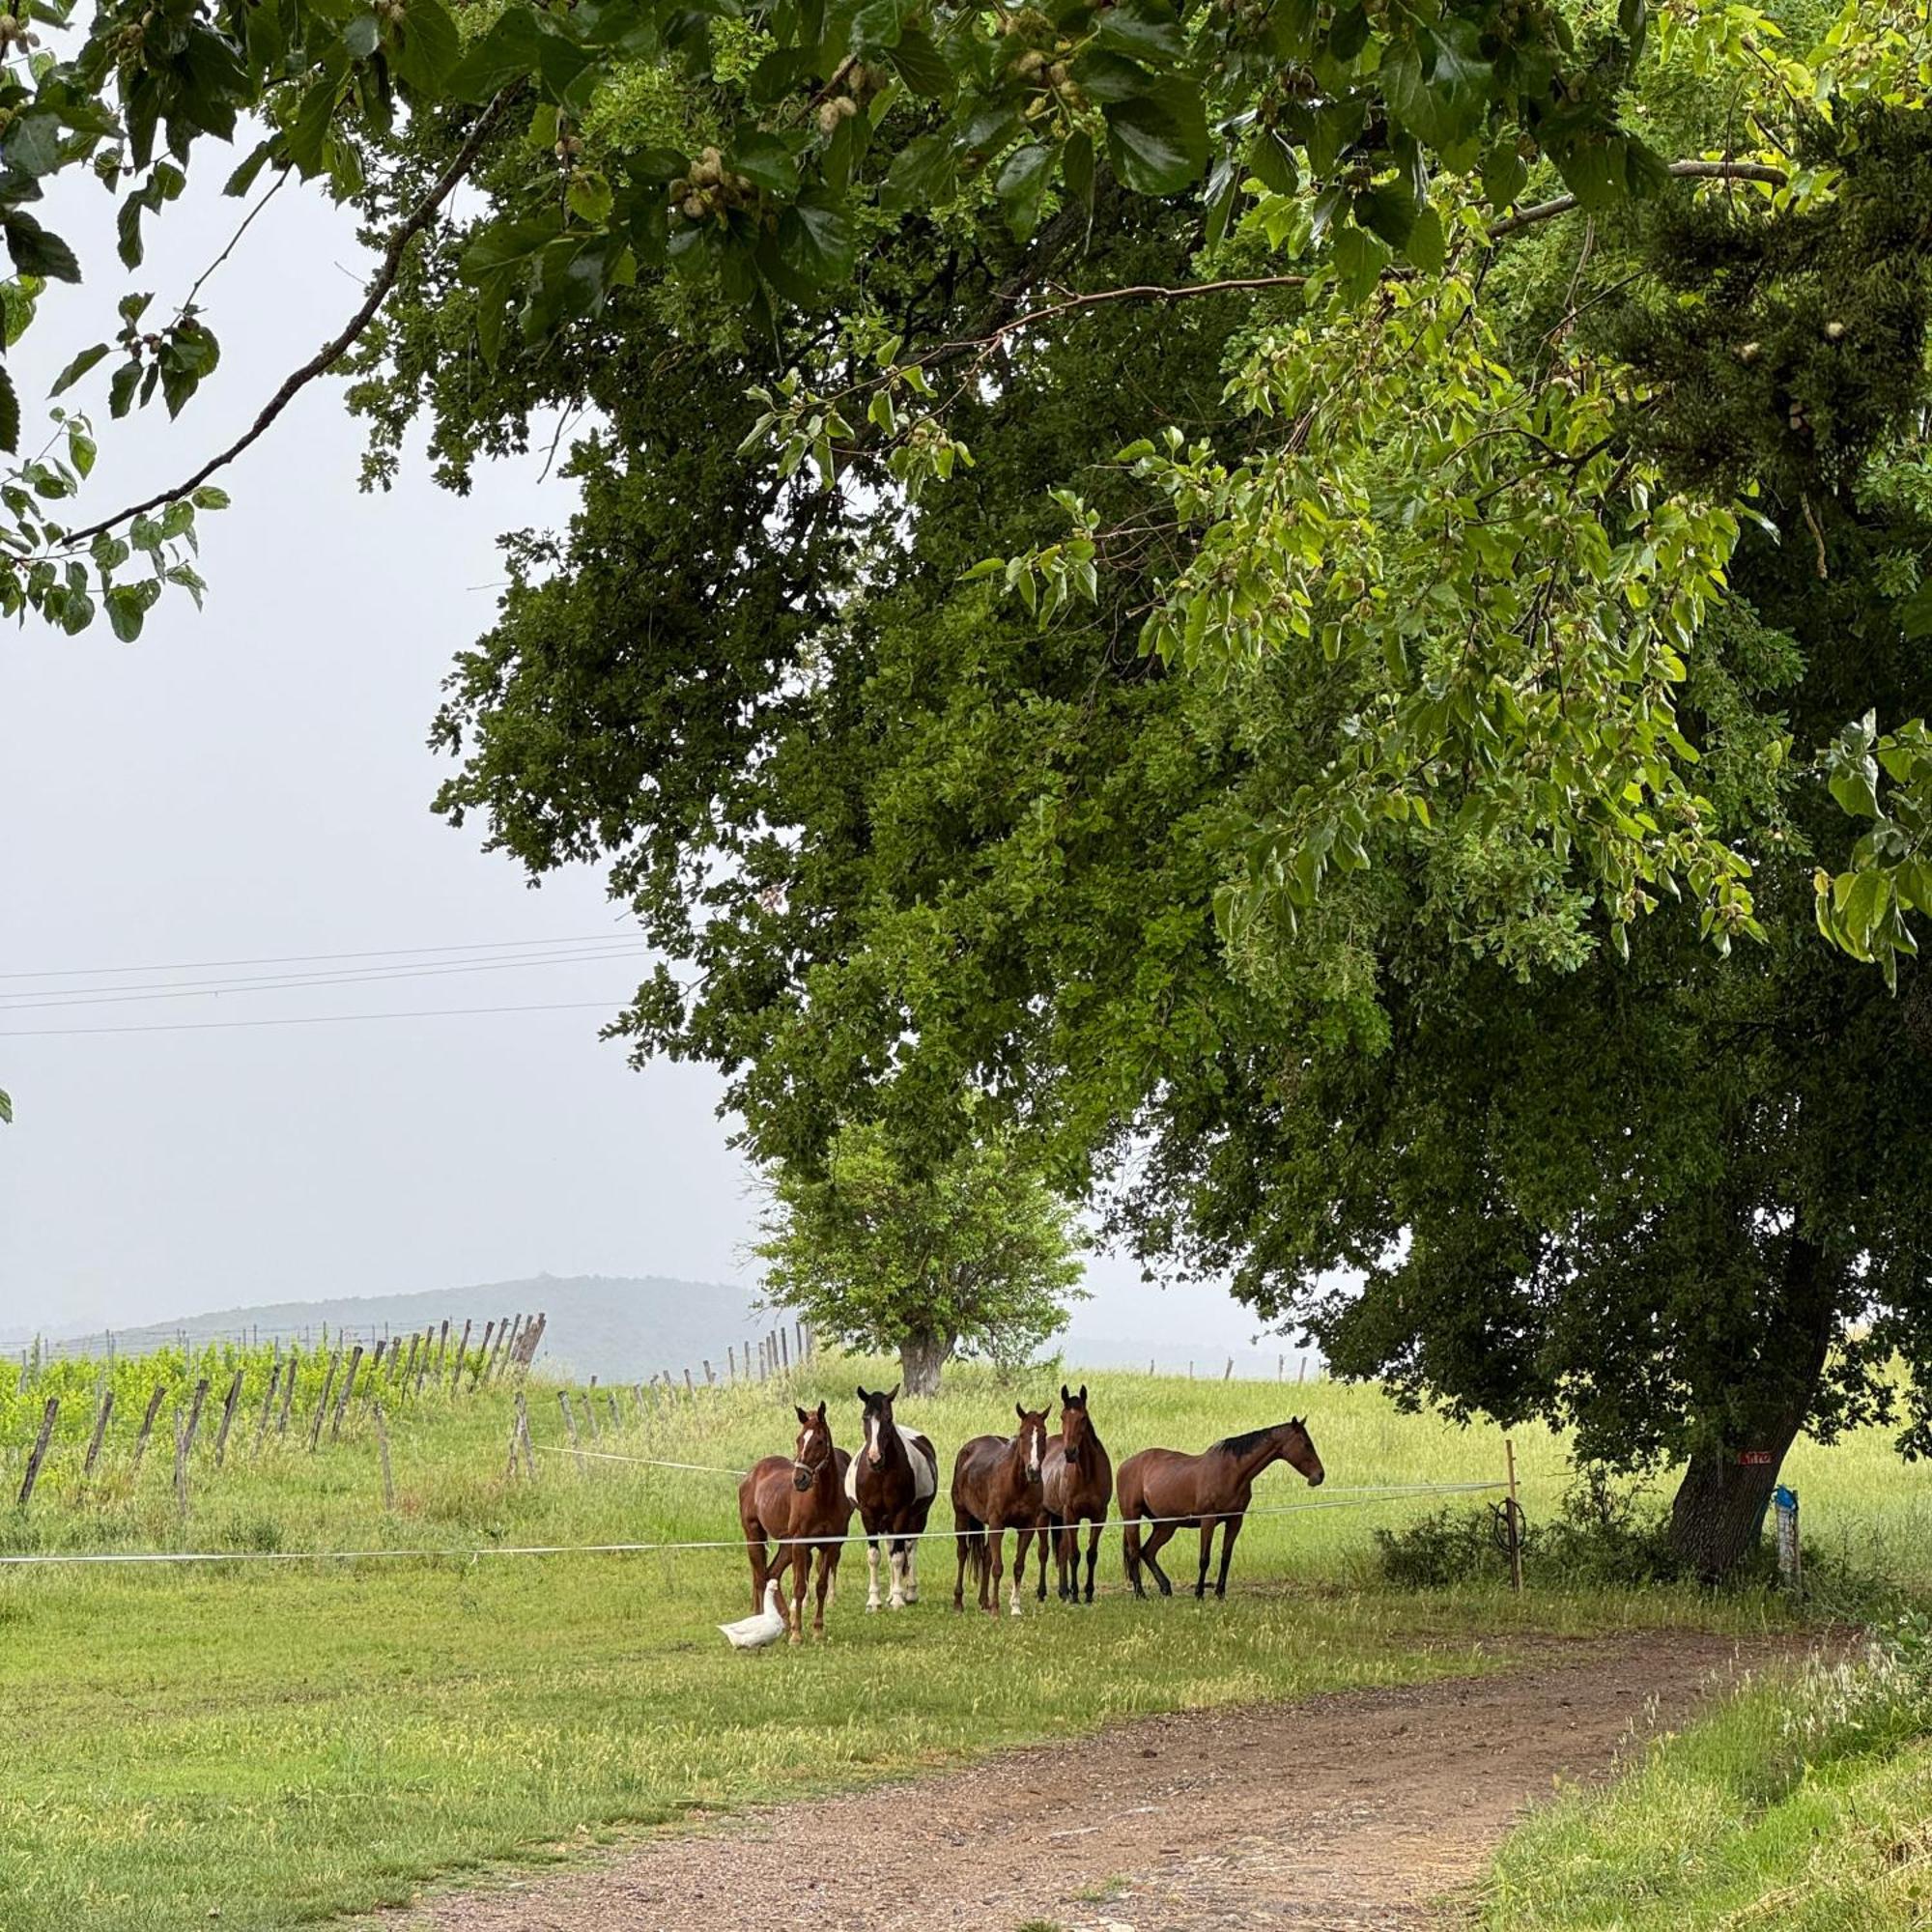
[
  {"x": 709, "y": 1378},
  {"x": 1227, "y": 1373},
  {"x": 785, "y": 1348},
  {"x": 288, "y": 1392},
  {"x": 1513, "y": 1520},
  {"x": 267, "y": 1406},
  {"x": 570, "y": 1423},
  {"x": 383, "y": 1444},
  {"x": 510, "y": 1472},
  {"x": 690, "y": 1386},
  {"x": 524, "y": 1435},
  {"x": 48, "y": 1417},
  {"x": 227, "y": 1419},
  {"x": 456, "y": 1373},
  {"x": 100, "y": 1432},
  {"x": 410, "y": 1367},
  {"x": 590, "y": 1409},
  {"x": 348, "y": 1390},
  {"x": 482, "y": 1356},
  {"x": 154, "y": 1402},
  {"x": 322, "y": 1407}
]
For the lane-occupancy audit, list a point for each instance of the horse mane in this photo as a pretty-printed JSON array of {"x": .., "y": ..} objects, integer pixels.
[{"x": 1239, "y": 1445}]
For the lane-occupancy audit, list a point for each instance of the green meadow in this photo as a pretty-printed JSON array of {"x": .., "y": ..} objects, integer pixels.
[{"x": 292, "y": 1736}]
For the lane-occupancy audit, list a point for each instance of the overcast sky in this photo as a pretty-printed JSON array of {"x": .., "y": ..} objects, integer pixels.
[{"x": 252, "y": 784}]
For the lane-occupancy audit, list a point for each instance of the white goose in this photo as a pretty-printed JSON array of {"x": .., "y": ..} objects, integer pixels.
[{"x": 767, "y": 1627}]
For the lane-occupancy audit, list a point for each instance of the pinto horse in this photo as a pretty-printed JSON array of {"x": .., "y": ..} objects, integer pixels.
[
  {"x": 892, "y": 1482},
  {"x": 1076, "y": 1482},
  {"x": 795, "y": 1498},
  {"x": 1171, "y": 1490},
  {"x": 996, "y": 1486}
]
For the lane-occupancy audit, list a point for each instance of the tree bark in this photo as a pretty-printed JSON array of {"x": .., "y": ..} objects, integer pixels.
[
  {"x": 1719, "y": 1504},
  {"x": 921, "y": 1356}
]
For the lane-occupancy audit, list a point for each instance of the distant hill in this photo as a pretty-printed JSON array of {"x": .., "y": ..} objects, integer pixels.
[{"x": 619, "y": 1328}]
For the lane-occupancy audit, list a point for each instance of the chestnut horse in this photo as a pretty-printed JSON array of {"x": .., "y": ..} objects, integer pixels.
[
  {"x": 892, "y": 1482},
  {"x": 1174, "y": 1491},
  {"x": 1076, "y": 1483},
  {"x": 996, "y": 1486},
  {"x": 793, "y": 1498}
]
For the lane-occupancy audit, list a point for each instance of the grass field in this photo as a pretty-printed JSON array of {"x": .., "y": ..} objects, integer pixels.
[{"x": 284, "y": 1742}]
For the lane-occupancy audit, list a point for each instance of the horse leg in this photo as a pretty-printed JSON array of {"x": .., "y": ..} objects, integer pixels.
[
  {"x": 1092, "y": 1557},
  {"x": 895, "y": 1560},
  {"x": 962, "y": 1538},
  {"x": 1022, "y": 1542},
  {"x": 1157, "y": 1538},
  {"x": 872, "y": 1572},
  {"x": 826, "y": 1557},
  {"x": 995, "y": 1567},
  {"x": 1229, "y": 1531},
  {"x": 1201, "y": 1583},
  {"x": 1130, "y": 1553},
  {"x": 801, "y": 1582},
  {"x": 1049, "y": 1531},
  {"x": 912, "y": 1569},
  {"x": 754, "y": 1550}
]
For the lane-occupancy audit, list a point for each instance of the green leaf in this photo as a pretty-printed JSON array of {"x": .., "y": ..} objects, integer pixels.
[
  {"x": 1359, "y": 260},
  {"x": 816, "y": 241},
  {"x": 32, "y": 144},
  {"x": 77, "y": 368},
  {"x": 38, "y": 250},
  {"x": 308, "y": 132},
  {"x": 918, "y": 62},
  {"x": 1272, "y": 162},
  {"x": 921, "y": 174},
  {"x": 1427, "y": 246},
  {"x": 1158, "y": 142},
  {"x": 765, "y": 160},
  {"x": 9, "y": 414},
  {"x": 427, "y": 47},
  {"x": 125, "y": 611},
  {"x": 1438, "y": 84},
  {"x": 1077, "y": 165},
  {"x": 1147, "y": 29},
  {"x": 363, "y": 35},
  {"x": 590, "y": 198},
  {"x": 1021, "y": 185}
]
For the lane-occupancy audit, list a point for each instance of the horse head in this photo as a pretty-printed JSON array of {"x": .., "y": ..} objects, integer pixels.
[
  {"x": 879, "y": 1423},
  {"x": 1076, "y": 1427},
  {"x": 1032, "y": 1438},
  {"x": 814, "y": 1452},
  {"x": 1297, "y": 1448}
]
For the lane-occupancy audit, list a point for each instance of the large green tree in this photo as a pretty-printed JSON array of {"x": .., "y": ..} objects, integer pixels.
[{"x": 1669, "y": 1199}]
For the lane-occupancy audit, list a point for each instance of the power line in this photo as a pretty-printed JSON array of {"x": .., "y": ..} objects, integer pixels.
[
  {"x": 205, "y": 989},
  {"x": 306, "y": 958},
  {"x": 312, "y": 1019}
]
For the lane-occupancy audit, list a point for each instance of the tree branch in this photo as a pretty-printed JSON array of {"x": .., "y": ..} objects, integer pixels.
[
  {"x": 1746, "y": 171},
  {"x": 331, "y": 352}
]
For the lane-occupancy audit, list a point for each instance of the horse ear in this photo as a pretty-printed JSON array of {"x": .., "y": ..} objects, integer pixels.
[
  {"x": 1019, "y": 1409},
  {"x": 862, "y": 1396},
  {"x": 892, "y": 1395},
  {"x": 821, "y": 1411},
  {"x": 1083, "y": 1395},
  {"x": 803, "y": 1418},
  {"x": 1065, "y": 1399}
]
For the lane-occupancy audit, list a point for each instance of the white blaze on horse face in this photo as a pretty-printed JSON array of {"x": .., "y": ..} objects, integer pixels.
[{"x": 874, "y": 1453}]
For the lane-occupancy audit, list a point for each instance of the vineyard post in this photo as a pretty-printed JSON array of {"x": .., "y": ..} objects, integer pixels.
[
  {"x": 410, "y": 1367},
  {"x": 710, "y": 1381},
  {"x": 154, "y": 1402},
  {"x": 288, "y": 1390},
  {"x": 441, "y": 1346},
  {"x": 570, "y": 1423},
  {"x": 516, "y": 1420},
  {"x": 456, "y": 1373},
  {"x": 321, "y": 1406},
  {"x": 1513, "y": 1519},
  {"x": 227, "y": 1419},
  {"x": 1227, "y": 1373},
  {"x": 37, "y": 1455},
  {"x": 348, "y": 1390},
  {"x": 388, "y": 1475},
  {"x": 690, "y": 1386},
  {"x": 524, "y": 1435},
  {"x": 422, "y": 1367},
  {"x": 785, "y": 1348},
  {"x": 590, "y": 1409},
  {"x": 616, "y": 1411},
  {"x": 100, "y": 1432},
  {"x": 482, "y": 1356},
  {"x": 730, "y": 1361},
  {"x": 375, "y": 1364},
  {"x": 268, "y": 1406}
]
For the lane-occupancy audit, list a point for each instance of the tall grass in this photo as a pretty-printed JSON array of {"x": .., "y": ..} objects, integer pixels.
[{"x": 1806, "y": 1802}]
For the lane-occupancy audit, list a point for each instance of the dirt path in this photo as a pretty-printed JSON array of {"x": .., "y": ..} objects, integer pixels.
[{"x": 1354, "y": 1810}]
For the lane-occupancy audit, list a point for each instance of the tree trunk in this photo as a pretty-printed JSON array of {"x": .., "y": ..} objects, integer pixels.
[
  {"x": 1716, "y": 1516},
  {"x": 921, "y": 1356}
]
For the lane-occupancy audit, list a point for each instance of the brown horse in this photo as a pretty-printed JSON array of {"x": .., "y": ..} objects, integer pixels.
[
  {"x": 1076, "y": 1482},
  {"x": 1171, "y": 1490},
  {"x": 794, "y": 1498},
  {"x": 996, "y": 1486},
  {"x": 892, "y": 1483}
]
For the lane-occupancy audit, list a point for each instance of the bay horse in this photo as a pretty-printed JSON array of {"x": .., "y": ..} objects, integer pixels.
[
  {"x": 1076, "y": 1482},
  {"x": 793, "y": 1498},
  {"x": 892, "y": 1482},
  {"x": 1175, "y": 1490},
  {"x": 996, "y": 1486}
]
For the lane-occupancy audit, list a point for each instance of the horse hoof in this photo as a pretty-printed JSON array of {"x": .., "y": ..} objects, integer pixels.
[{"x": 870, "y": 1609}]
